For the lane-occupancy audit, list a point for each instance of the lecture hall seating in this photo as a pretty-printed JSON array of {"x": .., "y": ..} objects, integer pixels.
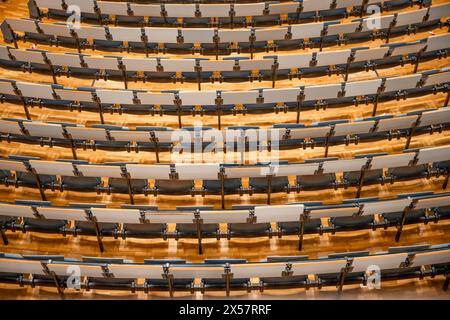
[{"x": 351, "y": 109}]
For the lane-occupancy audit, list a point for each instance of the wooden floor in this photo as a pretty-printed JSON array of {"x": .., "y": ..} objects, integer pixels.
[{"x": 254, "y": 249}]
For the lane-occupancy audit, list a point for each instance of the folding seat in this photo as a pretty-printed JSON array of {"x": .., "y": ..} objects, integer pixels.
[
  {"x": 67, "y": 63},
  {"x": 164, "y": 38},
  {"x": 224, "y": 261},
  {"x": 105, "y": 143},
  {"x": 54, "y": 8},
  {"x": 45, "y": 226},
  {"x": 413, "y": 248},
  {"x": 412, "y": 216},
  {"x": 140, "y": 68},
  {"x": 300, "y": 32},
  {"x": 208, "y": 230},
  {"x": 87, "y": 8},
  {"x": 331, "y": 61},
  {"x": 293, "y": 227},
  {"x": 356, "y": 276},
  {"x": 352, "y": 223},
  {"x": 370, "y": 176},
  {"x": 442, "y": 212},
  {"x": 176, "y": 69},
  {"x": 28, "y": 179},
  {"x": 351, "y": 254},
  {"x": 408, "y": 172},
  {"x": 106, "y": 282},
  {"x": 234, "y": 40},
  {"x": 272, "y": 259},
  {"x": 116, "y": 12},
  {"x": 5, "y": 176},
  {"x": 338, "y": 11},
  {"x": 120, "y": 185},
  {"x": 151, "y": 146},
  {"x": 248, "y": 230},
  {"x": 79, "y": 183},
  {"x": 368, "y": 88},
  {"x": 317, "y": 181},
  {"x": 152, "y": 11},
  {"x": 7, "y": 222},
  {"x": 197, "y": 39},
  {"x": 270, "y": 37},
  {"x": 105, "y": 260},
  {"x": 102, "y": 67},
  {"x": 343, "y": 32},
  {"x": 261, "y": 184},
  {"x": 58, "y": 33},
  {"x": 248, "y": 13},
  {"x": 175, "y": 187},
  {"x": 42, "y": 225},
  {"x": 231, "y": 186},
  {"x": 145, "y": 230},
  {"x": 30, "y": 59},
  {"x": 162, "y": 284},
  {"x": 87, "y": 228},
  {"x": 95, "y": 37},
  {"x": 26, "y": 26},
  {"x": 219, "y": 283}
]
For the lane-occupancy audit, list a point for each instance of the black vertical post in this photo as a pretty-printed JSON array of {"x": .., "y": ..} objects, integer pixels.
[
  {"x": 301, "y": 231},
  {"x": 50, "y": 66},
  {"x": 198, "y": 69},
  {"x": 447, "y": 174},
  {"x": 363, "y": 8},
  {"x": 447, "y": 99},
  {"x": 327, "y": 141},
  {"x": 198, "y": 223},
  {"x": 446, "y": 282},
  {"x": 4, "y": 237},
  {"x": 100, "y": 107},
  {"x": 169, "y": 277},
  {"x": 411, "y": 131},
  {"x": 274, "y": 71},
  {"x": 124, "y": 73},
  {"x": 126, "y": 176},
  {"x": 269, "y": 187},
  {"x": 55, "y": 278},
  {"x": 350, "y": 59},
  {"x": 177, "y": 102},
  {"x": 155, "y": 141},
  {"x": 227, "y": 277},
  {"x": 300, "y": 98},
  {"x": 344, "y": 272},
  {"x": 38, "y": 182},
  {"x": 252, "y": 43},
  {"x": 216, "y": 40},
  {"x": 375, "y": 105},
  {"x": 402, "y": 220},
  {"x": 97, "y": 232},
  {"x": 222, "y": 187},
  {"x": 144, "y": 38},
  {"x": 25, "y": 109},
  {"x": 72, "y": 143},
  {"x": 219, "y": 102},
  {"x": 24, "y": 102},
  {"x": 418, "y": 57},
  {"x": 73, "y": 147},
  {"x": 361, "y": 177},
  {"x": 389, "y": 30},
  {"x": 14, "y": 36}
]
